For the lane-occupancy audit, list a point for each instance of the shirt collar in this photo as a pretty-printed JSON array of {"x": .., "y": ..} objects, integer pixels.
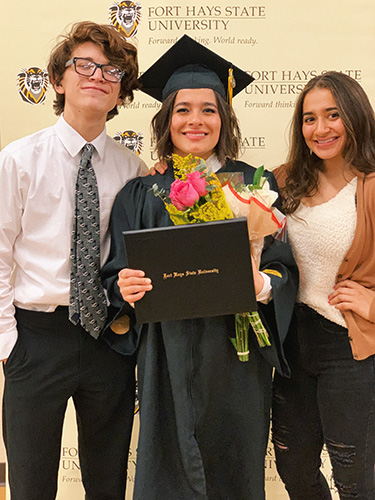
[
  {"x": 73, "y": 142},
  {"x": 213, "y": 163}
]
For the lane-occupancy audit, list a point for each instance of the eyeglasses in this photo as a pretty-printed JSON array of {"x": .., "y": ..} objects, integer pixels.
[{"x": 86, "y": 67}]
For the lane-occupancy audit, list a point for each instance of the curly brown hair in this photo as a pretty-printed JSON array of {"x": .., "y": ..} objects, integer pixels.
[
  {"x": 229, "y": 142},
  {"x": 118, "y": 51},
  {"x": 357, "y": 115}
]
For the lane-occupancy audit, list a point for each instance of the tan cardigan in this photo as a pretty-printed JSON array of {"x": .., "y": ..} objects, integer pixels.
[{"x": 359, "y": 263}]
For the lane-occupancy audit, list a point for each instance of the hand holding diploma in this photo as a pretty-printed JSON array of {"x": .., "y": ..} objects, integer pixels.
[{"x": 133, "y": 284}]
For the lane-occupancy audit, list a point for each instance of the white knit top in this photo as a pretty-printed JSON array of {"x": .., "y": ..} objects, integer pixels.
[{"x": 320, "y": 237}]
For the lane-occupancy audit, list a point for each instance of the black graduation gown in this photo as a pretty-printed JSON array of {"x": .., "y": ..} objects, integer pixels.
[{"x": 204, "y": 417}]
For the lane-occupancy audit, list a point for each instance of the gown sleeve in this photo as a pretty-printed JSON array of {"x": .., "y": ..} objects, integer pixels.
[
  {"x": 278, "y": 262},
  {"x": 121, "y": 331}
]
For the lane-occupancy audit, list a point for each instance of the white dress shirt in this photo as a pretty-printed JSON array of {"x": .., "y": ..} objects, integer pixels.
[{"x": 37, "y": 198}]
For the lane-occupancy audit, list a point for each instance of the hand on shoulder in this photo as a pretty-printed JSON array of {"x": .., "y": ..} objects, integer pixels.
[{"x": 158, "y": 167}]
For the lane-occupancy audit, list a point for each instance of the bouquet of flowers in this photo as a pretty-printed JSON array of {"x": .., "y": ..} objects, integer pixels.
[
  {"x": 253, "y": 201},
  {"x": 196, "y": 195}
]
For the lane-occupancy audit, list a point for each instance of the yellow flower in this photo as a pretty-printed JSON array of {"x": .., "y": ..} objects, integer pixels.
[{"x": 183, "y": 165}]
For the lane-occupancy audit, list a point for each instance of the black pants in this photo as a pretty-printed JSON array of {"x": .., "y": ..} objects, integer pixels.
[
  {"x": 330, "y": 398},
  {"x": 52, "y": 361}
]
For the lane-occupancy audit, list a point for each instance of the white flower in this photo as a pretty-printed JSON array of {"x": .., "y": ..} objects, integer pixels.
[{"x": 264, "y": 195}]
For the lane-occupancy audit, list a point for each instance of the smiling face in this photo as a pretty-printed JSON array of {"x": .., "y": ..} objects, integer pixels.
[
  {"x": 196, "y": 123},
  {"x": 323, "y": 128},
  {"x": 91, "y": 96}
]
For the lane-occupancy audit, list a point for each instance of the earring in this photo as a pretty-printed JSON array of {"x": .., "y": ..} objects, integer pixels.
[{"x": 311, "y": 152}]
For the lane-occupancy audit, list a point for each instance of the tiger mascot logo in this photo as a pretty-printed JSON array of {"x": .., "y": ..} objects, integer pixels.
[
  {"x": 125, "y": 16},
  {"x": 33, "y": 85},
  {"x": 132, "y": 140}
]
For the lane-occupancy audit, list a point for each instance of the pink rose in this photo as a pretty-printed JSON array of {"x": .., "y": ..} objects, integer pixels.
[
  {"x": 198, "y": 182},
  {"x": 183, "y": 194}
]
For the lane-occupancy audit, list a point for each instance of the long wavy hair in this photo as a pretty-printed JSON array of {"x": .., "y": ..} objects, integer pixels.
[
  {"x": 229, "y": 142},
  {"x": 302, "y": 166},
  {"x": 116, "y": 48}
]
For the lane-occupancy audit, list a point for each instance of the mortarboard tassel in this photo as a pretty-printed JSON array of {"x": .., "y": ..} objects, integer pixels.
[{"x": 231, "y": 85}]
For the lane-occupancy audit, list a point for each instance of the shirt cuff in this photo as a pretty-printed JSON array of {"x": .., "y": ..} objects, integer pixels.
[
  {"x": 265, "y": 295},
  {"x": 7, "y": 342}
]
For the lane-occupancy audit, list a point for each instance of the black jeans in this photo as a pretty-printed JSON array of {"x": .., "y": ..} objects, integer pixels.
[{"x": 330, "y": 398}]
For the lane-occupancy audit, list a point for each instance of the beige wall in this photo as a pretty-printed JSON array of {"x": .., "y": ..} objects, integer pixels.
[{"x": 282, "y": 43}]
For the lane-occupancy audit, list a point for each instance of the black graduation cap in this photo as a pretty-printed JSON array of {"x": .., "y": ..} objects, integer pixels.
[{"x": 190, "y": 65}]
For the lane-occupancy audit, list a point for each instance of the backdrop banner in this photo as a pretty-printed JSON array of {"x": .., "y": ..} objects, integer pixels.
[{"x": 281, "y": 44}]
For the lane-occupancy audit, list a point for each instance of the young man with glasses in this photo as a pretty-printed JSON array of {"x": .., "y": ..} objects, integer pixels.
[{"x": 50, "y": 315}]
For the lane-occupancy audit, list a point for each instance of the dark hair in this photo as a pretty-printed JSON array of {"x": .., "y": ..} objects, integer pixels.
[
  {"x": 230, "y": 136},
  {"x": 357, "y": 115},
  {"x": 119, "y": 52}
]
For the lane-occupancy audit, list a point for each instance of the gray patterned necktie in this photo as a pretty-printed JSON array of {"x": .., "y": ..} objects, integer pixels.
[{"x": 88, "y": 305}]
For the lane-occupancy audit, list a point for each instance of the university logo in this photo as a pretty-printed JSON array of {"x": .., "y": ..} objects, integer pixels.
[
  {"x": 132, "y": 140},
  {"x": 125, "y": 16},
  {"x": 136, "y": 402},
  {"x": 32, "y": 85}
]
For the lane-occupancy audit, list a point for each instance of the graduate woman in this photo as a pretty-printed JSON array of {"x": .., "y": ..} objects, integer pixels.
[{"x": 204, "y": 414}]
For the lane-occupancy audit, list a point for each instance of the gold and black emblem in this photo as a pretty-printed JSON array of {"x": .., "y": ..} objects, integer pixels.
[
  {"x": 132, "y": 140},
  {"x": 33, "y": 85},
  {"x": 136, "y": 401},
  {"x": 125, "y": 16}
]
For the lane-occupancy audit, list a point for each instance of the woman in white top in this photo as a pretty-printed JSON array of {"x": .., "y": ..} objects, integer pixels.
[{"x": 328, "y": 186}]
